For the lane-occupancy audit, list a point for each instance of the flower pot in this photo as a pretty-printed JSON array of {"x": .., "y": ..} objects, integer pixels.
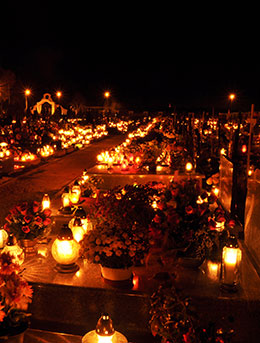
[
  {"x": 116, "y": 274},
  {"x": 29, "y": 247}
]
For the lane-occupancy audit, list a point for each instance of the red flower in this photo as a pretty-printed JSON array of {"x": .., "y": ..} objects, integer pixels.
[
  {"x": 14, "y": 211},
  {"x": 231, "y": 223},
  {"x": 26, "y": 229},
  {"x": 22, "y": 208},
  {"x": 27, "y": 218},
  {"x": 220, "y": 218},
  {"x": 47, "y": 221},
  {"x": 157, "y": 219},
  {"x": 8, "y": 218},
  {"x": 7, "y": 227},
  {"x": 212, "y": 224},
  {"x": 36, "y": 206},
  {"x": 47, "y": 212},
  {"x": 38, "y": 220},
  {"x": 189, "y": 210}
]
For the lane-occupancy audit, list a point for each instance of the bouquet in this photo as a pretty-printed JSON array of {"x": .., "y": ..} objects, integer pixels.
[
  {"x": 28, "y": 221},
  {"x": 121, "y": 218},
  {"x": 15, "y": 295},
  {"x": 181, "y": 220}
]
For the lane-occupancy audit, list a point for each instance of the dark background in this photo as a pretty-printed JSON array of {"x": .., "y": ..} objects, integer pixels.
[{"x": 148, "y": 58}]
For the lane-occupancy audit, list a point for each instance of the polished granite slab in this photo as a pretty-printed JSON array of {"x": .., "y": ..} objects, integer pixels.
[{"x": 40, "y": 336}]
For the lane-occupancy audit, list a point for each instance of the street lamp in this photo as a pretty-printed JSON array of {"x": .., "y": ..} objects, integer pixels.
[
  {"x": 58, "y": 94},
  {"x": 107, "y": 94},
  {"x": 231, "y": 97},
  {"x": 27, "y": 92}
]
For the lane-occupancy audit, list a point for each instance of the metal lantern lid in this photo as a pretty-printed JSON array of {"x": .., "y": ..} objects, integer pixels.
[
  {"x": 80, "y": 212},
  {"x": 66, "y": 190},
  {"x": 77, "y": 222},
  {"x": 65, "y": 233},
  {"x": 11, "y": 240},
  {"x": 104, "y": 325},
  {"x": 232, "y": 242}
]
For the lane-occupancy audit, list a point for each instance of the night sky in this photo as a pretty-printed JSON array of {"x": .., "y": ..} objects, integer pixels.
[{"x": 144, "y": 63}]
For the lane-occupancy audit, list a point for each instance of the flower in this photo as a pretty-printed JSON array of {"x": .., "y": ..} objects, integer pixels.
[
  {"x": 15, "y": 294},
  {"x": 120, "y": 236},
  {"x": 28, "y": 221}
]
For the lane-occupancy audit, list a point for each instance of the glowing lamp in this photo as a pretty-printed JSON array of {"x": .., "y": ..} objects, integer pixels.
[
  {"x": 75, "y": 193},
  {"x": 231, "y": 258},
  {"x": 14, "y": 250},
  {"x": 65, "y": 198},
  {"x": 104, "y": 332},
  {"x": 77, "y": 229},
  {"x": 3, "y": 237},
  {"x": 244, "y": 148},
  {"x": 188, "y": 167},
  {"x": 81, "y": 213},
  {"x": 65, "y": 251},
  {"x": 46, "y": 203}
]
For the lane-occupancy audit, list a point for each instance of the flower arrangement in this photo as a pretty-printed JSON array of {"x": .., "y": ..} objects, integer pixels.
[
  {"x": 120, "y": 236},
  {"x": 28, "y": 221},
  {"x": 15, "y": 295},
  {"x": 181, "y": 220},
  {"x": 173, "y": 319}
]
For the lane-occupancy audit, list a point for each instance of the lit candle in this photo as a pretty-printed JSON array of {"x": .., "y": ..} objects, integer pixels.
[
  {"x": 46, "y": 202},
  {"x": 231, "y": 258}
]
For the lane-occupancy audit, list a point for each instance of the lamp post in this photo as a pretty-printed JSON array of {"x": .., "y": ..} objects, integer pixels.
[
  {"x": 27, "y": 93},
  {"x": 231, "y": 97}
]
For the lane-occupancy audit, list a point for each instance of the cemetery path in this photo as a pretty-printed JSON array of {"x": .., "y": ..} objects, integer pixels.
[{"x": 50, "y": 177}]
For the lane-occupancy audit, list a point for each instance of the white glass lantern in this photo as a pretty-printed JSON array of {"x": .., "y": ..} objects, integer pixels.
[
  {"x": 65, "y": 198},
  {"x": 65, "y": 251},
  {"x": 77, "y": 229},
  {"x": 46, "y": 203},
  {"x": 75, "y": 189},
  {"x": 231, "y": 259},
  {"x": 104, "y": 333},
  {"x": 3, "y": 237},
  {"x": 188, "y": 167},
  {"x": 14, "y": 250}
]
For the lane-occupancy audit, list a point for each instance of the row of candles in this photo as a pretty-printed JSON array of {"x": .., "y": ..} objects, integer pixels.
[{"x": 118, "y": 156}]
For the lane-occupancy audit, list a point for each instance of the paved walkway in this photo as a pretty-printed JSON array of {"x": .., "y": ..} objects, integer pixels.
[{"x": 50, "y": 177}]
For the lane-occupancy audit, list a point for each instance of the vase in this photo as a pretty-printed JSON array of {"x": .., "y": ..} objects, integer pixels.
[
  {"x": 29, "y": 247},
  {"x": 117, "y": 277}
]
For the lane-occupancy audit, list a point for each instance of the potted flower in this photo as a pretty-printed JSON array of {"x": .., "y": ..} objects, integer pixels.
[
  {"x": 119, "y": 238},
  {"x": 28, "y": 223},
  {"x": 15, "y": 295}
]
